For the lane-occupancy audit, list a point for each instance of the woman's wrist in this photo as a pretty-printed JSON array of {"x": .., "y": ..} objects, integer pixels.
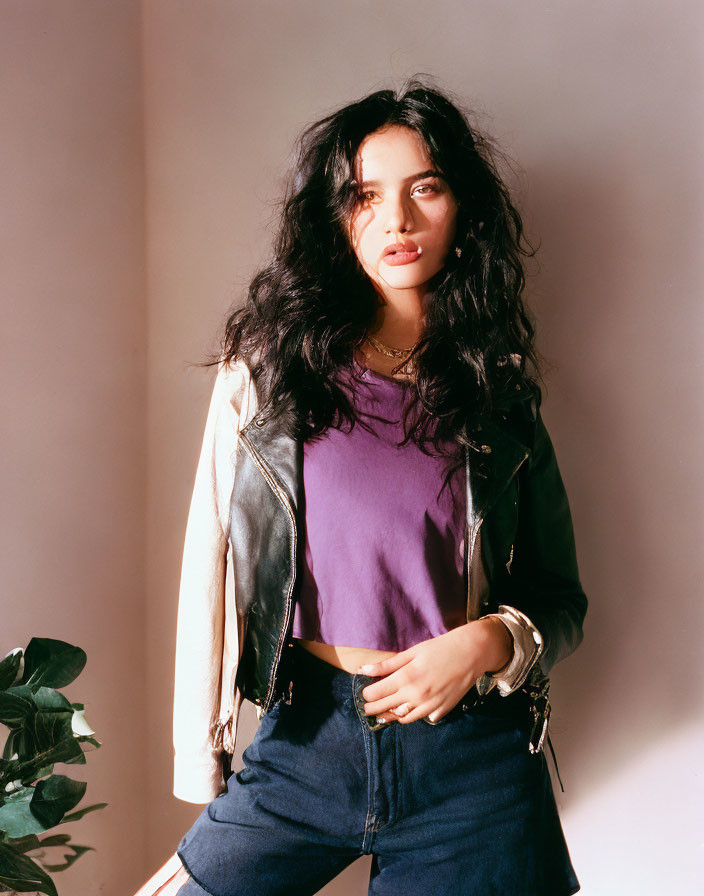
[{"x": 499, "y": 644}]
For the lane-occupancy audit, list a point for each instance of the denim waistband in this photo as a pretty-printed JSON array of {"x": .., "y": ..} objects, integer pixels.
[{"x": 312, "y": 674}]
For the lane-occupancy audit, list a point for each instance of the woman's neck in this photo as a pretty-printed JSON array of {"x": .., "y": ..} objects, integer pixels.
[{"x": 400, "y": 324}]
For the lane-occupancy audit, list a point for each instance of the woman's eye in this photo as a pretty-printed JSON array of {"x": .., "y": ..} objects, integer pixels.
[{"x": 370, "y": 195}]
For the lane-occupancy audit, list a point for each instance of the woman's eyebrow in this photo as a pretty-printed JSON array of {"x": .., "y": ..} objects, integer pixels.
[{"x": 431, "y": 172}]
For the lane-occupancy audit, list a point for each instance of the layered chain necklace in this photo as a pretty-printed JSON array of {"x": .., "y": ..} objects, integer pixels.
[{"x": 407, "y": 369}]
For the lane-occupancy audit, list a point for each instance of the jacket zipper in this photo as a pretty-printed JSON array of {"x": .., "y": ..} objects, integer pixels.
[
  {"x": 472, "y": 543},
  {"x": 278, "y": 491},
  {"x": 224, "y": 721},
  {"x": 470, "y": 536}
]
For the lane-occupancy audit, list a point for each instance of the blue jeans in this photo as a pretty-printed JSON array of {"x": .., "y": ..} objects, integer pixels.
[{"x": 457, "y": 807}]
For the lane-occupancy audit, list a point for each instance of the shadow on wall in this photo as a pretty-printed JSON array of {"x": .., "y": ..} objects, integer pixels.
[{"x": 616, "y": 292}]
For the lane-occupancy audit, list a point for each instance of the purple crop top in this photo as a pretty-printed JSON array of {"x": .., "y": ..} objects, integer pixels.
[{"x": 384, "y": 557}]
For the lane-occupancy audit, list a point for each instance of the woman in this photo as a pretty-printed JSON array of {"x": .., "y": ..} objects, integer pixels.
[{"x": 379, "y": 552}]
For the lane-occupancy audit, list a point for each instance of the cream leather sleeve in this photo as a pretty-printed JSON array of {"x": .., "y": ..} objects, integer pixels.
[{"x": 198, "y": 776}]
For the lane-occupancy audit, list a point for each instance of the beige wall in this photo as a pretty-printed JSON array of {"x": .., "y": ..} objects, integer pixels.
[
  {"x": 73, "y": 368},
  {"x": 599, "y": 103}
]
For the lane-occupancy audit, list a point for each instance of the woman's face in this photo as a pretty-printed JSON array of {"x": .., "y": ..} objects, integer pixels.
[{"x": 402, "y": 200}]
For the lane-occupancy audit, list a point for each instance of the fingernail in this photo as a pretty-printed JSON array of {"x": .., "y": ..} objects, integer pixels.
[
  {"x": 380, "y": 719},
  {"x": 365, "y": 669}
]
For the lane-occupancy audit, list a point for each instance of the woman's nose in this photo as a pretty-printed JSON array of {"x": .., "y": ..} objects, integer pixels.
[{"x": 398, "y": 217}]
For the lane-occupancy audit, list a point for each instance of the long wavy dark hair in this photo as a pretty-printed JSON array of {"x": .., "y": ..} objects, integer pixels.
[{"x": 312, "y": 304}]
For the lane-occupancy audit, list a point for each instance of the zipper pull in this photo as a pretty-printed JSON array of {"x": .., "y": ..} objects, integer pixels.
[
  {"x": 541, "y": 717},
  {"x": 539, "y": 690},
  {"x": 218, "y": 733},
  {"x": 509, "y": 561}
]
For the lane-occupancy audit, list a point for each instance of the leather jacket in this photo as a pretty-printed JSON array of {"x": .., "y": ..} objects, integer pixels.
[{"x": 244, "y": 548}]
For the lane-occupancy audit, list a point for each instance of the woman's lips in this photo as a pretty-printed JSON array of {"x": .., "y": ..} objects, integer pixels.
[
  {"x": 399, "y": 255},
  {"x": 394, "y": 258},
  {"x": 402, "y": 252}
]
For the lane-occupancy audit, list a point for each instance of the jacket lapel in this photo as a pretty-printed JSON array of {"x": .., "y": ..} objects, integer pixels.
[
  {"x": 491, "y": 469},
  {"x": 283, "y": 456}
]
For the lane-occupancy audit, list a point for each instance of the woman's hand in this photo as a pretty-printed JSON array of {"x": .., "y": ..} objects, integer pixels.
[{"x": 429, "y": 678}]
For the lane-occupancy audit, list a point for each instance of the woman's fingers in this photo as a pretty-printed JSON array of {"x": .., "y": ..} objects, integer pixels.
[
  {"x": 394, "y": 715},
  {"x": 394, "y": 704},
  {"x": 405, "y": 713},
  {"x": 390, "y": 664},
  {"x": 385, "y": 703},
  {"x": 378, "y": 694},
  {"x": 407, "y": 683},
  {"x": 395, "y": 690},
  {"x": 420, "y": 712}
]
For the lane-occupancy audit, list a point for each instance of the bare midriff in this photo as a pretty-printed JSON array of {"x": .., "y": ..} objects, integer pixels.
[{"x": 344, "y": 657}]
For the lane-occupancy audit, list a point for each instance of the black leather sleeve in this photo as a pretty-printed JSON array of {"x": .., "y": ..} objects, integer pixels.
[{"x": 544, "y": 580}]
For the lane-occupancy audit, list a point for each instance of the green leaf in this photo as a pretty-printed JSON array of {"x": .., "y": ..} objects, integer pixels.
[
  {"x": 16, "y": 817},
  {"x": 68, "y": 750},
  {"x": 24, "y": 844},
  {"x": 52, "y": 663},
  {"x": 47, "y": 737},
  {"x": 54, "y": 797},
  {"x": 44, "y": 772},
  {"x": 48, "y": 700},
  {"x": 19, "y": 794},
  {"x": 16, "y": 706},
  {"x": 50, "y": 727},
  {"x": 18, "y": 872},
  {"x": 87, "y": 739},
  {"x": 42, "y": 716},
  {"x": 9, "y": 749},
  {"x": 8, "y": 668},
  {"x": 36, "y": 809}
]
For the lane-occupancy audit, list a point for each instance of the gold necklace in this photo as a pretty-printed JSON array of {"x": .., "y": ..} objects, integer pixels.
[
  {"x": 387, "y": 350},
  {"x": 406, "y": 370}
]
